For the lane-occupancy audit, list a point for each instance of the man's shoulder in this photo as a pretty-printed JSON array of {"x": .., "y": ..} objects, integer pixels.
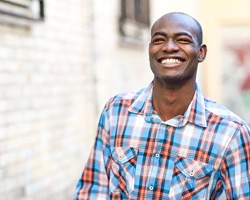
[
  {"x": 125, "y": 98},
  {"x": 130, "y": 95},
  {"x": 222, "y": 111}
]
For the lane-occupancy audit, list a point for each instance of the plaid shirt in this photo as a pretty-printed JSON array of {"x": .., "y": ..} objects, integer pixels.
[{"x": 136, "y": 155}]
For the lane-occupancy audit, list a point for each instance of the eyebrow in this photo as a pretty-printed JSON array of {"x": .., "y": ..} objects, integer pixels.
[
  {"x": 159, "y": 33},
  {"x": 176, "y": 34}
]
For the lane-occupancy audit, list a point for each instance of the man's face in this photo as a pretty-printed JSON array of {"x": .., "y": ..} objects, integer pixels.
[{"x": 174, "y": 51}]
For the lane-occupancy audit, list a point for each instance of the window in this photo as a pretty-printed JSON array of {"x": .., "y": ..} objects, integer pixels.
[
  {"x": 21, "y": 12},
  {"x": 134, "y": 20}
]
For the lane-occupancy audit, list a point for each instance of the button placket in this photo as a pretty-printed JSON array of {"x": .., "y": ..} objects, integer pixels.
[
  {"x": 157, "y": 155},
  {"x": 192, "y": 173}
]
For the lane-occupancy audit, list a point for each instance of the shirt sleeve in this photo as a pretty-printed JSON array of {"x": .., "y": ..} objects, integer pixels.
[
  {"x": 235, "y": 167},
  {"x": 94, "y": 183}
]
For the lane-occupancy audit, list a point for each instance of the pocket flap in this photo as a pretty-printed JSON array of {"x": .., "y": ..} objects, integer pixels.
[
  {"x": 123, "y": 154},
  {"x": 192, "y": 168}
]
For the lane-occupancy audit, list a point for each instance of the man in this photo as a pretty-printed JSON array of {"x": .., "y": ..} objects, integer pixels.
[{"x": 168, "y": 141}]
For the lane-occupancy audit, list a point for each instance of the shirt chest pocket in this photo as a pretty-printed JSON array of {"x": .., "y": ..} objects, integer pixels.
[
  {"x": 190, "y": 179},
  {"x": 122, "y": 173}
]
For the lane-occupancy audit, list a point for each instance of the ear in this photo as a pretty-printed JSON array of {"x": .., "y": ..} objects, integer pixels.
[{"x": 202, "y": 53}]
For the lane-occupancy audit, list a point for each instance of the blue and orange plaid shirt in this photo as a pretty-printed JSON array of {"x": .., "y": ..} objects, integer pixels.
[{"x": 197, "y": 155}]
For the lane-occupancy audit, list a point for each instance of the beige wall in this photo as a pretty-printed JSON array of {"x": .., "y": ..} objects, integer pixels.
[{"x": 214, "y": 15}]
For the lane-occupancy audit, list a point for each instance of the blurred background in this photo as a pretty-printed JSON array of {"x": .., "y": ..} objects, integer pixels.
[{"x": 61, "y": 61}]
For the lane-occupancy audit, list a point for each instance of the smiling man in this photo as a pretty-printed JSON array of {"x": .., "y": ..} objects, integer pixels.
[
  {"x": 169, "y": 141},
  {"x": 175, "y": 50}
]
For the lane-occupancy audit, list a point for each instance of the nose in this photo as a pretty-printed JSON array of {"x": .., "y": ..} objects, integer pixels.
[{"x": 170, "y": 46}]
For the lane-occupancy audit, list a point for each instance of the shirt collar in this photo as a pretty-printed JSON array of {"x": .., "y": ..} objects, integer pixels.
[
  {"x": 143, "y": 103},
  {"x": 197, "y": 113},
  {"x": 194, "y": 114}
]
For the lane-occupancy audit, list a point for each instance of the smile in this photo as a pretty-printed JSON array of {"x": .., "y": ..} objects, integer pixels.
[{"x": 171, "y": 61}]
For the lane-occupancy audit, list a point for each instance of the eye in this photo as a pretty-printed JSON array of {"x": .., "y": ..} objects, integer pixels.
[
  {"x": 184, "y": 40},
  {"x": 158, "y": 40}
]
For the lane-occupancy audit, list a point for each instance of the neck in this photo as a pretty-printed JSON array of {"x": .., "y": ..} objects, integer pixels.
[{"x": 170, "y": 102}]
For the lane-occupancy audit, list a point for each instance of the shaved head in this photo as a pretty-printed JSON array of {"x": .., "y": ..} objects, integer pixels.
[{"x": 182, "y": 16}]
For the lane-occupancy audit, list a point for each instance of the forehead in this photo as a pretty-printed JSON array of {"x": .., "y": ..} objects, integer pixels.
[{"x": 175, "y": 23}]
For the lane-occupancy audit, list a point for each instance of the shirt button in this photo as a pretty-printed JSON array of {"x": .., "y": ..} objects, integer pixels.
[
  {"x": 157, "y": 155},
  {"x": 191, "y": 173},
  {"x": 151, "y": 187}
]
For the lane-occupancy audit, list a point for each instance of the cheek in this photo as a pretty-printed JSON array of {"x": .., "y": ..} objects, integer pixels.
[
  {"x": 153, "y": 50},
  {"x": 150, "y": 52},
  {"x": 193, "y": 56}
]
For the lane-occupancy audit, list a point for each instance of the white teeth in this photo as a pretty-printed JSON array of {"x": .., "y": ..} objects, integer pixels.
[{"x": 170, "y": 61}]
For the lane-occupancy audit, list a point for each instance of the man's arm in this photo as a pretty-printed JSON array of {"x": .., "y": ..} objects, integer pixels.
[
  {"x": 236, "y": 166},
  {"x": 94, "y": 183}
]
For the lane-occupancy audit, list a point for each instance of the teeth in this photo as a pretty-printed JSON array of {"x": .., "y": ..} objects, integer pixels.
[{"x": 170, "y": 61}]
